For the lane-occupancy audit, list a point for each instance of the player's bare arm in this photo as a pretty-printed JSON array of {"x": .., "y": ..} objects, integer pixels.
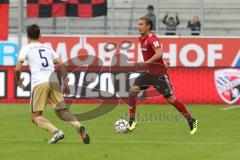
[
  {"x": 63, "y": 70},
  {"x": 18, "y": 74},
  {"x": 166, "y": 62}
]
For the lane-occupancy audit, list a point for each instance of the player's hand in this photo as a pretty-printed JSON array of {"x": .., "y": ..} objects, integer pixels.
[
  {"x": 166, "y": 63},
  {"x": 66, "y": 89},
  {"x": 20, "y": 83}
]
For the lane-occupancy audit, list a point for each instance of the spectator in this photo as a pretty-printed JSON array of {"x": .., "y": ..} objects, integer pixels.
[
  {"x": 151, "y": 16},
  {"x": 171, "y": 24},
  {"x": 194, "y": 25}
]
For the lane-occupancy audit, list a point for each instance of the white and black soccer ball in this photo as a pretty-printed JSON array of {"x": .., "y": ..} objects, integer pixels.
[{"x": 121, "y": 126}]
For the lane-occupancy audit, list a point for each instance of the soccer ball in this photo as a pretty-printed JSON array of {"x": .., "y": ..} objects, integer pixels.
[{"x": 121, "y": 126}]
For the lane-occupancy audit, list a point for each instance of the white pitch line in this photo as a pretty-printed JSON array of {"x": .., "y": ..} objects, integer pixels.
[{"x": 230, "y": 108}]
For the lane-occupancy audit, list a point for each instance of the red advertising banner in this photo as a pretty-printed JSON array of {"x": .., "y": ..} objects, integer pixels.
[
  {"x": 203, "y": 70},
  {"x": 191, "y": 85},
  {"x": 188, "y": 52}
]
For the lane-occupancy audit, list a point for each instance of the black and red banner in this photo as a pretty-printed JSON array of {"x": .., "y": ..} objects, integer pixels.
[
  {"x": 68, "y": 8},
  {"x": 4, "y": 8}
]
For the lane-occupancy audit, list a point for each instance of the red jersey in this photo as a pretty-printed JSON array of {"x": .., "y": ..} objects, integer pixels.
[{"x": 150, "y": 43}]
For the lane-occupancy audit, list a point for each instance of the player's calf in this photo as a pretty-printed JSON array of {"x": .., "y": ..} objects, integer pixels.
[
  {"x": 132, "y": 106},
  {"x": 44, "y": 123},
  {"x": 65, "y": 115},
  {"x": 183, "y": 110}
]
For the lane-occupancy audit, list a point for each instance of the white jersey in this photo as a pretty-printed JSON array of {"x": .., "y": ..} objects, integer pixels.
[{"x": 40, "y": 59}]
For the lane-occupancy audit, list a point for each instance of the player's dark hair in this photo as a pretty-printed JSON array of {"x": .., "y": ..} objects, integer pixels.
[
  {"x": 148, "y": 21},
  {"x": 150, "y": 7},
  {"x": 33, "y": 31}
]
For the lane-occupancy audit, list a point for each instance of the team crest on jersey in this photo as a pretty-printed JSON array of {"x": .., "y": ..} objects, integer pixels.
[{"x": 227, "y": 82}]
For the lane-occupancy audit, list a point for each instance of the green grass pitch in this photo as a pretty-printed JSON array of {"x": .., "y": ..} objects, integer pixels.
[{"x": 164, "y": 137}]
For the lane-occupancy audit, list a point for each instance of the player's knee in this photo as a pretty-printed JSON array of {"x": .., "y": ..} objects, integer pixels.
[
  {"x": 171, "y": 99},
  {"x": 134, "y": 90},
  {"x": 60, "y": 112},
  {"x": 35, "y": 115},
  {"x": 33, "y": 119}
]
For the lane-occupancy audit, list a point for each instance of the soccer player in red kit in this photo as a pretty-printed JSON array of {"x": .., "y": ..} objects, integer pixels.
[{"x": 152, "y": 54}]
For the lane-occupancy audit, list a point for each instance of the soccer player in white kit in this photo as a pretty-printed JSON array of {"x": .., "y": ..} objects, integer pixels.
[{"x": 45, "y": 85}]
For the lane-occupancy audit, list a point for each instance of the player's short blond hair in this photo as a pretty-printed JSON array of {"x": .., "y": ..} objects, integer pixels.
[{"x": 148, "y": 21}]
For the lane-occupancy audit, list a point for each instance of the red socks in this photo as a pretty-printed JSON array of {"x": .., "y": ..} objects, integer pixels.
[
  {"x": 177, "y": 104},
  {"x": 182, "y": 109},
  {"x": 132, "y": 106}
]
